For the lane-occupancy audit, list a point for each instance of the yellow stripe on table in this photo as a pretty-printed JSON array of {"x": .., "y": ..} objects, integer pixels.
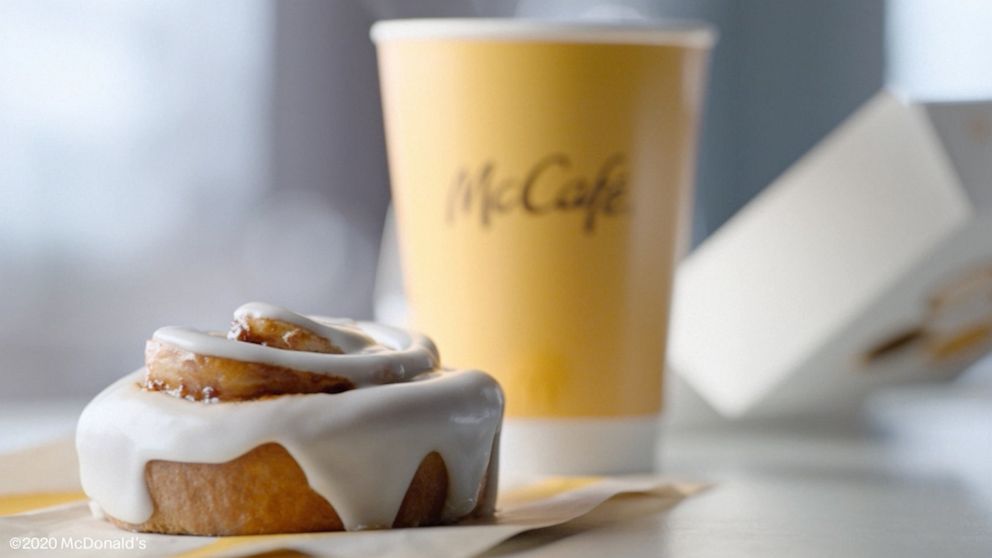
[
  {"x": 545, "y": 488},
  {"x": 20, "y": 503},
  {"x": 223, "y": 544}
]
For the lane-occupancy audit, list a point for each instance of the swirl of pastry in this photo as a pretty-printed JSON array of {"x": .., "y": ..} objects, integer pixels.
[
  {"x": 272, "y": 351},
  {"x": 290, "y": 423}
]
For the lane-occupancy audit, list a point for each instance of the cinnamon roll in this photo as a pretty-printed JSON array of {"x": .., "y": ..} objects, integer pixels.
[{"x": 290, "y": 424}]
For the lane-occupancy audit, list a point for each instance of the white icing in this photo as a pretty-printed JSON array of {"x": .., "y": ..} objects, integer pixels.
[
  {"x": 359, "y": 449},
  {"x": 345, "y": 334},
  {"x": 390, "y": 355}
]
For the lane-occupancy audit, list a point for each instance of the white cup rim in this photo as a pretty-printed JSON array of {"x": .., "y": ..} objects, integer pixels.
[{"x": 683, "y": 33}]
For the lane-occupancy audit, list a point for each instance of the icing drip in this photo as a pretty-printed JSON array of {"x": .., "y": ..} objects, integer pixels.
[{"x": 359, "y": 449}]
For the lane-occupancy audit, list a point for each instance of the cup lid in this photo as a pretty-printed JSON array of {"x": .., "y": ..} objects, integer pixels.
[{"x": 652, "y": 32}]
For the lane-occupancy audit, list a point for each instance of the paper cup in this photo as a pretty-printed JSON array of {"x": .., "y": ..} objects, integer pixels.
[{"x": 541, "y": 173}]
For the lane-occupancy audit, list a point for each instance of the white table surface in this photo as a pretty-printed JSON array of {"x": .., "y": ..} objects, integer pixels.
[{"x": 913, "y": 481}]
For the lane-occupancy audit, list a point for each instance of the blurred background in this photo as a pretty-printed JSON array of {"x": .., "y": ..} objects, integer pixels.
[{"x": 163, "y": 162}]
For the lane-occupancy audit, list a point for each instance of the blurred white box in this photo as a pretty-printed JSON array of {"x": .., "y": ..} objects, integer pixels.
[{"x": 867, "y": 263}]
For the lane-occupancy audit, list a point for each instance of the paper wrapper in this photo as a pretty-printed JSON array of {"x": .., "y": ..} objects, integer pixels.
[{"x": 60, "y": 519}]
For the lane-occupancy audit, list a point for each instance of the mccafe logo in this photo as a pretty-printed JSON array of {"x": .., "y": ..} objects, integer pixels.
[{"x": 550, "y": 186}]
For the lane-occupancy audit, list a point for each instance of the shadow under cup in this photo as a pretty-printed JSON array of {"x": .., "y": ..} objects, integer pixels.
[{"x": 541, "y": 174}]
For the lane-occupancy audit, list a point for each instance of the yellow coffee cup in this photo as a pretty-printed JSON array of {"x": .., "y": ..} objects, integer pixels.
[{"x": 540, "y": 174}]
